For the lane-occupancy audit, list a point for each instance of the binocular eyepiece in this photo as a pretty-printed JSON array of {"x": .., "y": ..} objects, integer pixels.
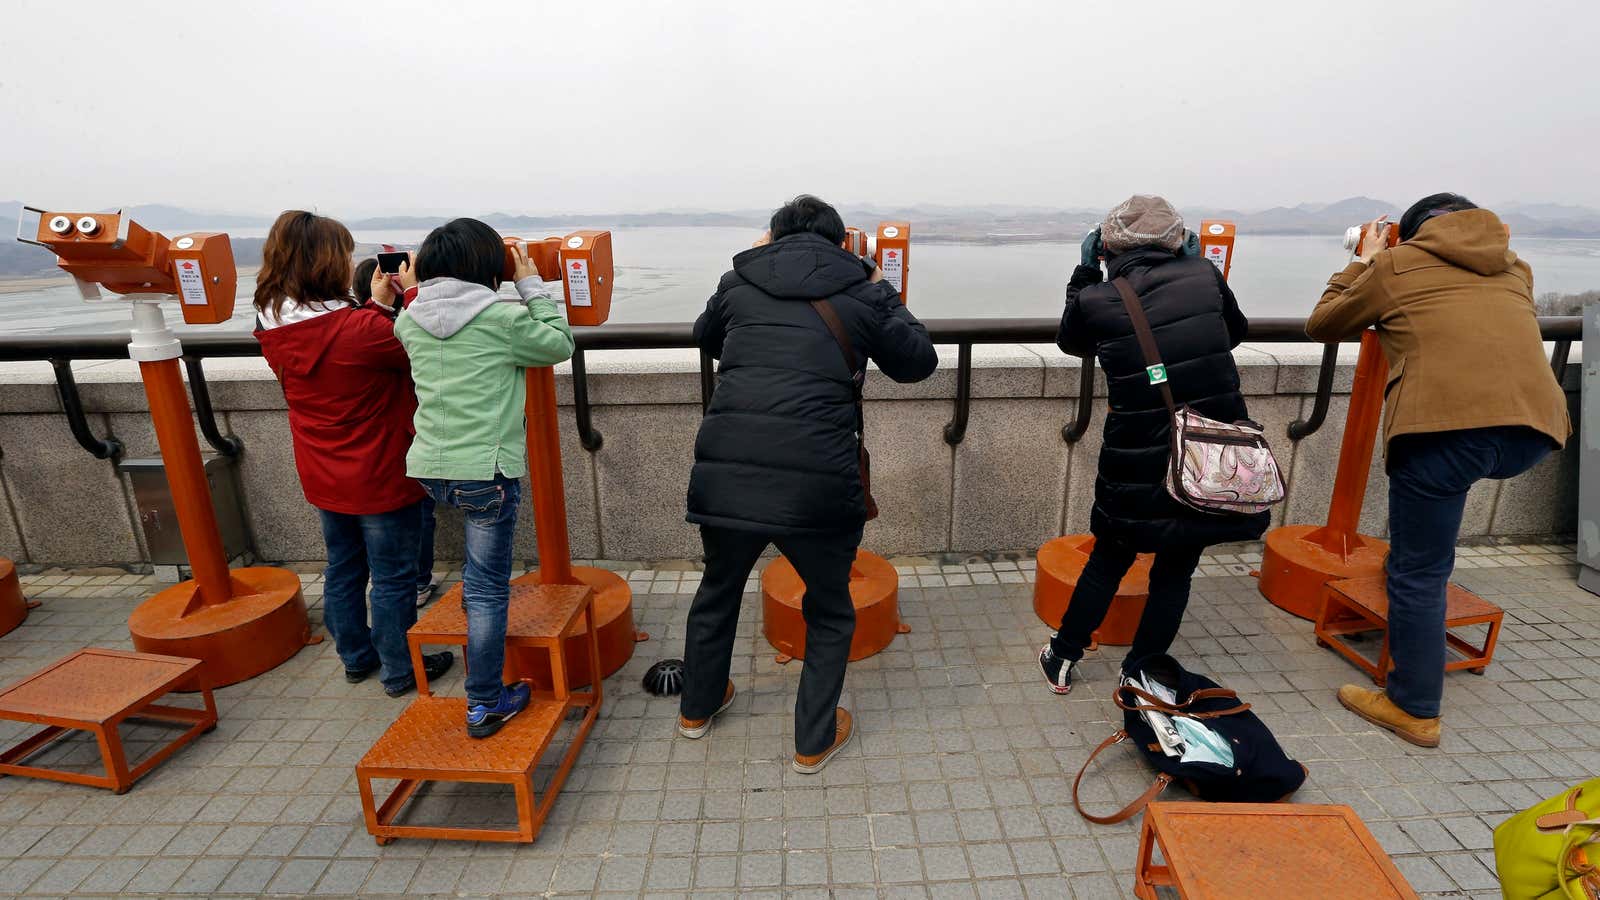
[{"x": 1355, "y": 236}]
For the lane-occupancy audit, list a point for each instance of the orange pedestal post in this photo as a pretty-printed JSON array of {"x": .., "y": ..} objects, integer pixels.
[
  {"x": 874, "y": 589},
  {"x": 1299, "y": 559},
  {"x": 238, "y": 624},
  {"x": 13, "y": 607},
  {"x": 1061, "y": 562},
  {"x": 613, "y": 602}
]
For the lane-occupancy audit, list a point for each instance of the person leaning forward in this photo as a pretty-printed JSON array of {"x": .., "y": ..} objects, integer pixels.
[
  {"x": 1470, "y": 396},
  {"x": 776, "y": 460}
]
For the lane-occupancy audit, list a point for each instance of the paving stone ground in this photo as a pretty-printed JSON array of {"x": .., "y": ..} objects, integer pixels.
[{"x": 958, "y": 785}]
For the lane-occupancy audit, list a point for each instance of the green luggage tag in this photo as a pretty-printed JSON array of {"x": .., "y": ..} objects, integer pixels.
[{"x": 1157, "y": 373}]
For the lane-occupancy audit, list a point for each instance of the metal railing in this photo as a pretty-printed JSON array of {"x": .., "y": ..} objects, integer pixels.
[{"x": 62, "y": 350}]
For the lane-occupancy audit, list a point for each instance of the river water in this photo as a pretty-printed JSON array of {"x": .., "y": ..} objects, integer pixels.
[{"x": 666, "y": 274}]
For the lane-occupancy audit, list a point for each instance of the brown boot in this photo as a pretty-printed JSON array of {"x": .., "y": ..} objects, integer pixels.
[
  {"x": 1377, "y": 708},
  {"x": 697, "y": 728},
  {"x": 811, "y": 764}
]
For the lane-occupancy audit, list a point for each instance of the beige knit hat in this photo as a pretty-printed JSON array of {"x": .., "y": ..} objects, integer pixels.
[{"x": 1142, "y": 220}]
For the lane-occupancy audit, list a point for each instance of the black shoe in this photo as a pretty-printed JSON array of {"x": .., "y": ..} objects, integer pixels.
[
  {"x": 1057, "y": 671},
  {"x": 433, "y": 665},
  {"x": 356, "y": 676}
]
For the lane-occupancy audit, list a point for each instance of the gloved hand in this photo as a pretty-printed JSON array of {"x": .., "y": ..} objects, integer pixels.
[
  {"x": 1092, "y": 250},
  {"x": 1191, "y": 244},
  {"x": 1083, "y": 276}
]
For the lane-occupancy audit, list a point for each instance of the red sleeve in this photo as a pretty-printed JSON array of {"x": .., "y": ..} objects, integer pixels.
[{"x": 374, "y": 343}]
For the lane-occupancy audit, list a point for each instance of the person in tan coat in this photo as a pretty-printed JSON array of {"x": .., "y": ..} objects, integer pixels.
[{"x": 1470, "y": 396}]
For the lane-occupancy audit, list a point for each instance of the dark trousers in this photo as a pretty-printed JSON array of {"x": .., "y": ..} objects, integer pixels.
[
  {"x": 381, "y": 549},
  {"x": 1429, "y": 476},
  {"x": 823, "y": 563},
  {"x": 1108, "y": 562}
]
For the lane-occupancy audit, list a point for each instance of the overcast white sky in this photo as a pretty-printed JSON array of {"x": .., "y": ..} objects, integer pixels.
[{"x": 615, "y": 105}]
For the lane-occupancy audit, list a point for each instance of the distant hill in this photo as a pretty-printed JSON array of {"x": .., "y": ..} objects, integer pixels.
[{"x": 994, "y": 224}]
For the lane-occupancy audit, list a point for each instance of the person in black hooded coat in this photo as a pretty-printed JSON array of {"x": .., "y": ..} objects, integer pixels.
[
  {"x": 776, "y": 459},
  {"x": 1197, "y": 323}
]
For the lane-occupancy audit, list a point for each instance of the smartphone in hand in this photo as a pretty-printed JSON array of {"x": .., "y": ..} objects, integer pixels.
[{"x": 389, "y": 263}]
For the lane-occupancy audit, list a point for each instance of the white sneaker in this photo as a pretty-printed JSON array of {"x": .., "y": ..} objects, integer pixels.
[{"x": 425, "y": 592}]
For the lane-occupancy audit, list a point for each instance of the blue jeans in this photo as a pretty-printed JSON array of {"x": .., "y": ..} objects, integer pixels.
[
  {"x": 1429, "y": 476},
  {"x": 490, "y": 509},
  {"x": 425, "y": 544},
  {"x": 384, "y": 548}
]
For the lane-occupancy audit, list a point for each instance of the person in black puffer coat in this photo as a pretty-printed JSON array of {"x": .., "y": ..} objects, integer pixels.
[
  {"x": 776, "y": 457},
  {"x": 1196, "y": 323}
]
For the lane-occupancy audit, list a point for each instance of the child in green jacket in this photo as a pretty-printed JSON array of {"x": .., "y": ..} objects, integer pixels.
[{"x": 468, "y": 348}]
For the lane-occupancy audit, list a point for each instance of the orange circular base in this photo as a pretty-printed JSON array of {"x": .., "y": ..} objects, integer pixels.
[
  {"x": 13, "y": 608},
  {"x": 1293, "y": 569},
  {"x": 262, "y": 626},
  {"x": 613, "y": 610},
  {"x": 874, "y": 589},
  {"x": 1061, "y": 561}
]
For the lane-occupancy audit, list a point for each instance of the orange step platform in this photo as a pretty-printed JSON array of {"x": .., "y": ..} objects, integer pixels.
[
  {"x": 534, "y": 608},
  {"x": 96, "y": 690},
  {"x": 1361, "y": 605},
  {"x": 1224, "y": 851},
  {"x": 1061, "y": 562},
  {"x": 874, "y": 589},
  {"x": 429, "y": 741}
]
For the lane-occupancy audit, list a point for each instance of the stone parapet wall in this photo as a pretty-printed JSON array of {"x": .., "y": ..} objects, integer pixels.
[{"x": 1011, "y": 484}]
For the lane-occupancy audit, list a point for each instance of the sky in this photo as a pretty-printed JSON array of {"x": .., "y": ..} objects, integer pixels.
[{"x": 360, "y": 108}]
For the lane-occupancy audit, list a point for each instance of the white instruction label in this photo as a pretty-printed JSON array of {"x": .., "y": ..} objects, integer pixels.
[
  {"x": 1218, "y": 254},
  {"x": 894, "y": 266},
  {"x": 191, "y": 282},
  {"x": 578, "y": 282}
]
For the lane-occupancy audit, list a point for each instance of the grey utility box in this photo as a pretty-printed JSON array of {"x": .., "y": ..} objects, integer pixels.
[
  {"x": 160, "y": 522},
  {"x": 1588, "y": 438}
]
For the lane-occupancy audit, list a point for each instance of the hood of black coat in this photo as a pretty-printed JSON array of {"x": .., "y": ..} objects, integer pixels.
[
  {"x": 800, "y": 267},
  {"x": 1138, "y": 257}
]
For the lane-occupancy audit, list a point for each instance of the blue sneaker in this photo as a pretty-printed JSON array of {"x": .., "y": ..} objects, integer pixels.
[{"x": 484, "y": 720}]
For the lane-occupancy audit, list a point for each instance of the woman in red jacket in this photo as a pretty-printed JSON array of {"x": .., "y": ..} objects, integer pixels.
[{"x": 348, "y": 385}]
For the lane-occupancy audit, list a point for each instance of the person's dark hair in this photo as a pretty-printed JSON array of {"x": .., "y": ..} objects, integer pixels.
[
  {"x": 306, "y": 258},
  {"x": 361, "y": 281},
  {"x": 464, "y": 249},
  {"x": 807, "y": 213},
  {"x": 1428, "y": 207}
]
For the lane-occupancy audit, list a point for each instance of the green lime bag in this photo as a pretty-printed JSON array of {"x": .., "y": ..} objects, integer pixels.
[{"x": 1551, "y": 851}]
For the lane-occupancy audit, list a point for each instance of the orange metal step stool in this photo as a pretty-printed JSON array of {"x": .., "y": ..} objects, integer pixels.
[
  {"x": 536, "y": 611},
  {"x": 96, "y": 690},
  {"x": 13, "y": 607},
  {"x": 429, "y": 741},
  {"x": 874, "y": 590},
  {"x": 1361, "y": 605},
  {"x": 1267, "y": 850}
]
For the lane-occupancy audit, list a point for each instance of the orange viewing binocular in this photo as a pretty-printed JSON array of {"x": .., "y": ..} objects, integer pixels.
[
  {"x": 582, "y": 261},
  {"x": 890, "y": 250},
  {"x": 113, "y": 251},
  {"x": 1216, "y": 244}
]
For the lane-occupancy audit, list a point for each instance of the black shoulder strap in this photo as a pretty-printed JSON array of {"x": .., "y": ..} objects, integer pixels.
[
  {"x": 858, "y": 372},
  {"x": 830, "y": 318},
  {"x": 1147, "y": 340}
]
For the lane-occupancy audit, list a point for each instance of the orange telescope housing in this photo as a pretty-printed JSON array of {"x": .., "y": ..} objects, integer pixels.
[
  {"x": 1216, "y": 244},
  {"x": 582, "y": 260},
  {"x": 894, "y": 254},
  {"x": 112, "y": 250}
]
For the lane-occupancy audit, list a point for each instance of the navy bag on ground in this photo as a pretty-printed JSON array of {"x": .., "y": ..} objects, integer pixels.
[{"x": 1261, "y": 771}]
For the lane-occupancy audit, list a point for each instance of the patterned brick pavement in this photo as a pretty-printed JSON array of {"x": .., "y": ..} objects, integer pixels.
[{"x": 957, "y": 787}]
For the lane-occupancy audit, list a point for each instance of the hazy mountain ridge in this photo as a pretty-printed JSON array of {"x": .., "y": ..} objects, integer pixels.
[{"x": 998, "y": 223}]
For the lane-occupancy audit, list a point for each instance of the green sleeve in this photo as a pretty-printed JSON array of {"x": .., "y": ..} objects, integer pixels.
[{"x": 540, "y": 336}]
